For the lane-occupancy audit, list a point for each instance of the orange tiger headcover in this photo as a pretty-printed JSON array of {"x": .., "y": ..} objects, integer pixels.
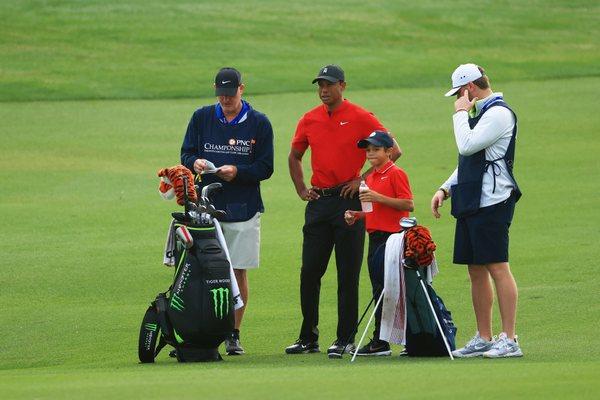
[
  {"x": 171, "y": 183},
  {"x": 418, "y": 245}
]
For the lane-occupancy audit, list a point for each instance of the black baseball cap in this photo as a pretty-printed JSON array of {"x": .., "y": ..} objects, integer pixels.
[
  {"x": 377, "y": 138},
  {"x": 332, "y": 73},
  {"x": 227, "y": 81}
]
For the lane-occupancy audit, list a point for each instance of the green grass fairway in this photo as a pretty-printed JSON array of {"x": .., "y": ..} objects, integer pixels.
[
  {"x": 104, "y": 49},
  {"x": 95, "y": 97},
  {"x": 82, "y": 253}
]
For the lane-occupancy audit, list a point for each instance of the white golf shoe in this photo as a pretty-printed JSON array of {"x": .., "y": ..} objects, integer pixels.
[
  {"x": 504, "y": 347},
  {"x": 475, "y": 348}
]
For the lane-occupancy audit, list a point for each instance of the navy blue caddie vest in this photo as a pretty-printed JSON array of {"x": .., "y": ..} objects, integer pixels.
[{"x": 466, "y": 194}]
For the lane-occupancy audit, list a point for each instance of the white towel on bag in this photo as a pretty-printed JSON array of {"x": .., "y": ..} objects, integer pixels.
[{"x": 393, "y": 315}]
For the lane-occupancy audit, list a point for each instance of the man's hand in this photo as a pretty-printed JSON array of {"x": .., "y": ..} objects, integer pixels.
[
  {"x": 351, "y": 216},
  {"x": 350, "y": 189},
  {"x": 436, "y": 203},
  {"x": 308, "y": 194},
  {"x": 463, "y": 103},
  {"x": 199, "y": 165},
  {"x": 369, "y": 195},
  {"x": 227, "y": 172}
]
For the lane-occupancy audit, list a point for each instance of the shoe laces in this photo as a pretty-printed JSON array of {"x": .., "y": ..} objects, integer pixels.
[
  {"x": 476, "y": 339},
  {"x": 503, "y": 342}
]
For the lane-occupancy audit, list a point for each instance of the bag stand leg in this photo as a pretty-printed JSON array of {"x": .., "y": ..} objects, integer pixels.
[
  {"x": 358, "y": 324},
  {"x": 437, "y": 321},
  {"x": 368, "y": 324}
]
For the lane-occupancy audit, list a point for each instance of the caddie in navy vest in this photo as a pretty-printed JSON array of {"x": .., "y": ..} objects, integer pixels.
[
  {"x": 232, "y": 143},
  {"x": 483, "y": 192}
]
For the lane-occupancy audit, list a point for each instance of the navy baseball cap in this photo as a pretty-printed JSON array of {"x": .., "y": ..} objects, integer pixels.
[
  {"x": 227, "y": 82},
  {"x": 332, "y": 73},
  {"x": 378, "y": 139}
]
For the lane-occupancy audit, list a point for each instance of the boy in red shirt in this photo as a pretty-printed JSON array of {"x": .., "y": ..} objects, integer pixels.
[{"x": 390, "y": 193}]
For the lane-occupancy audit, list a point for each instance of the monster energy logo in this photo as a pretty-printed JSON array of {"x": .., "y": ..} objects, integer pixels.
[
  {"x": 220, "y": 296},
  {"x": 150, "y": 327},
  {"x": 177, "y": 303}
]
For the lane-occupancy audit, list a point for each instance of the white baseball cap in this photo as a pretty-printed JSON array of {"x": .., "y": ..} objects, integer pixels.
[{"x": 462, "y": 75}]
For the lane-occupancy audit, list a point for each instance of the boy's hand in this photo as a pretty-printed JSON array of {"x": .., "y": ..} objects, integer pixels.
[
  {"x": 351, "y": 216},
  {"x": 370, "y": 195}
]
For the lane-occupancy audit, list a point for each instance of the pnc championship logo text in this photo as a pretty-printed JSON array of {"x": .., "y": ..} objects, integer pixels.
[{"x": 233, "y": 146}]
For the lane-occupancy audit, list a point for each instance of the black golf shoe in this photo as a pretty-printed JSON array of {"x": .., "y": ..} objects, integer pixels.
[
  {"x": 375, "y": 348},
  {"x": 303, "y": 347},
  {"x": 337, "y": 349},
  {"x": 232, "y": 344}
]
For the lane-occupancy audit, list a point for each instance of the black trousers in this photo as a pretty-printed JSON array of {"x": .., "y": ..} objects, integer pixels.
[
  {"x": 376, "y": 272},
  {"x": 325, "y": 229}
]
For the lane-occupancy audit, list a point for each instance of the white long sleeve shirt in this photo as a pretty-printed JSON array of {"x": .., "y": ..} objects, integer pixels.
[{"x": 492, "y": 133}]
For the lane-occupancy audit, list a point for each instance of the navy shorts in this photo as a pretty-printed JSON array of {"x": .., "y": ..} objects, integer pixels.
[{"x": 482, "y": 238}]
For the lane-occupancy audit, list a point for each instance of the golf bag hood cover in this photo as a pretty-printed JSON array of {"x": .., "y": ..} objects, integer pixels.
[
  {"x": 171, "y": 182},
  {"x": 419, "y": 246}
]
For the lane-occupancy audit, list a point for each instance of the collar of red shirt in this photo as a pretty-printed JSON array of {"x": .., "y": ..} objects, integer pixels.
[
  {"x": 341, "y": 108},
  {"x": 385, "y": 168}
]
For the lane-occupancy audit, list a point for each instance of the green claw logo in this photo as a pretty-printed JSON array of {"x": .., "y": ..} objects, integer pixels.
[
  {"x": 220, "y": 297},
  {"x": 177, "y": 303},
  {"x": 150, "y": 327}
]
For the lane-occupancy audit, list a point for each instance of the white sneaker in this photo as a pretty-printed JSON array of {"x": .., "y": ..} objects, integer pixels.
[
  {"x": 504, "y": 347},
  {"x": 476, "y": 347}
]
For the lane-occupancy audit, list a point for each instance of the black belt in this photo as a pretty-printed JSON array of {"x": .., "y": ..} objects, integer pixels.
[{"x": 329, "y": 192}]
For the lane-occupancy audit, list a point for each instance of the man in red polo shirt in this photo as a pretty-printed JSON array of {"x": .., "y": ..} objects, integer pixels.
[
  {"x": 390, "y": 193},
  {"x": 331, "y": 130}
]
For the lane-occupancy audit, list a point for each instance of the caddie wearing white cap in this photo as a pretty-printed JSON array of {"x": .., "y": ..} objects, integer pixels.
[{"x": 483, "y": 193}]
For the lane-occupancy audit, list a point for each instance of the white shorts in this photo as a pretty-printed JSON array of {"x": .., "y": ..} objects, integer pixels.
[{"x": 243, "y": 242}]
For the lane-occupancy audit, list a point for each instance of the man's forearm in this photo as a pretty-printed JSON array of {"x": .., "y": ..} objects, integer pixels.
[{"x": 296, "y": 172}]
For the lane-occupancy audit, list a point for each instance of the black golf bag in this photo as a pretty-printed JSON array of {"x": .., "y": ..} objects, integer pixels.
[{"x": 197, "y": 312}]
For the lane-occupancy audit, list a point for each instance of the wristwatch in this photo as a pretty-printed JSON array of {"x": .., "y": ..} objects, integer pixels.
[{"x": 446, "y": 194}]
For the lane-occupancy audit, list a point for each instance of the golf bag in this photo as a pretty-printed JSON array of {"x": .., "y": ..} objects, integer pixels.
[
  {"x": 422, "y": 335},
  {"x": 196, "y": 313}
]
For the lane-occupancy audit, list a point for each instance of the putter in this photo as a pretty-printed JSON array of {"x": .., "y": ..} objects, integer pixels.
[{"x": 407, "y": 223}]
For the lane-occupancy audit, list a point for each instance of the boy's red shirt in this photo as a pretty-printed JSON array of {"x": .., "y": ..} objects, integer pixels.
[{"x": 390, "y": 181}]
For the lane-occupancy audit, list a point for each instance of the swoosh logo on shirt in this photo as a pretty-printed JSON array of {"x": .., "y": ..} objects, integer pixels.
[
  {"x": 384, "y": 177},
  {"x": 344, "y": 123}
]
